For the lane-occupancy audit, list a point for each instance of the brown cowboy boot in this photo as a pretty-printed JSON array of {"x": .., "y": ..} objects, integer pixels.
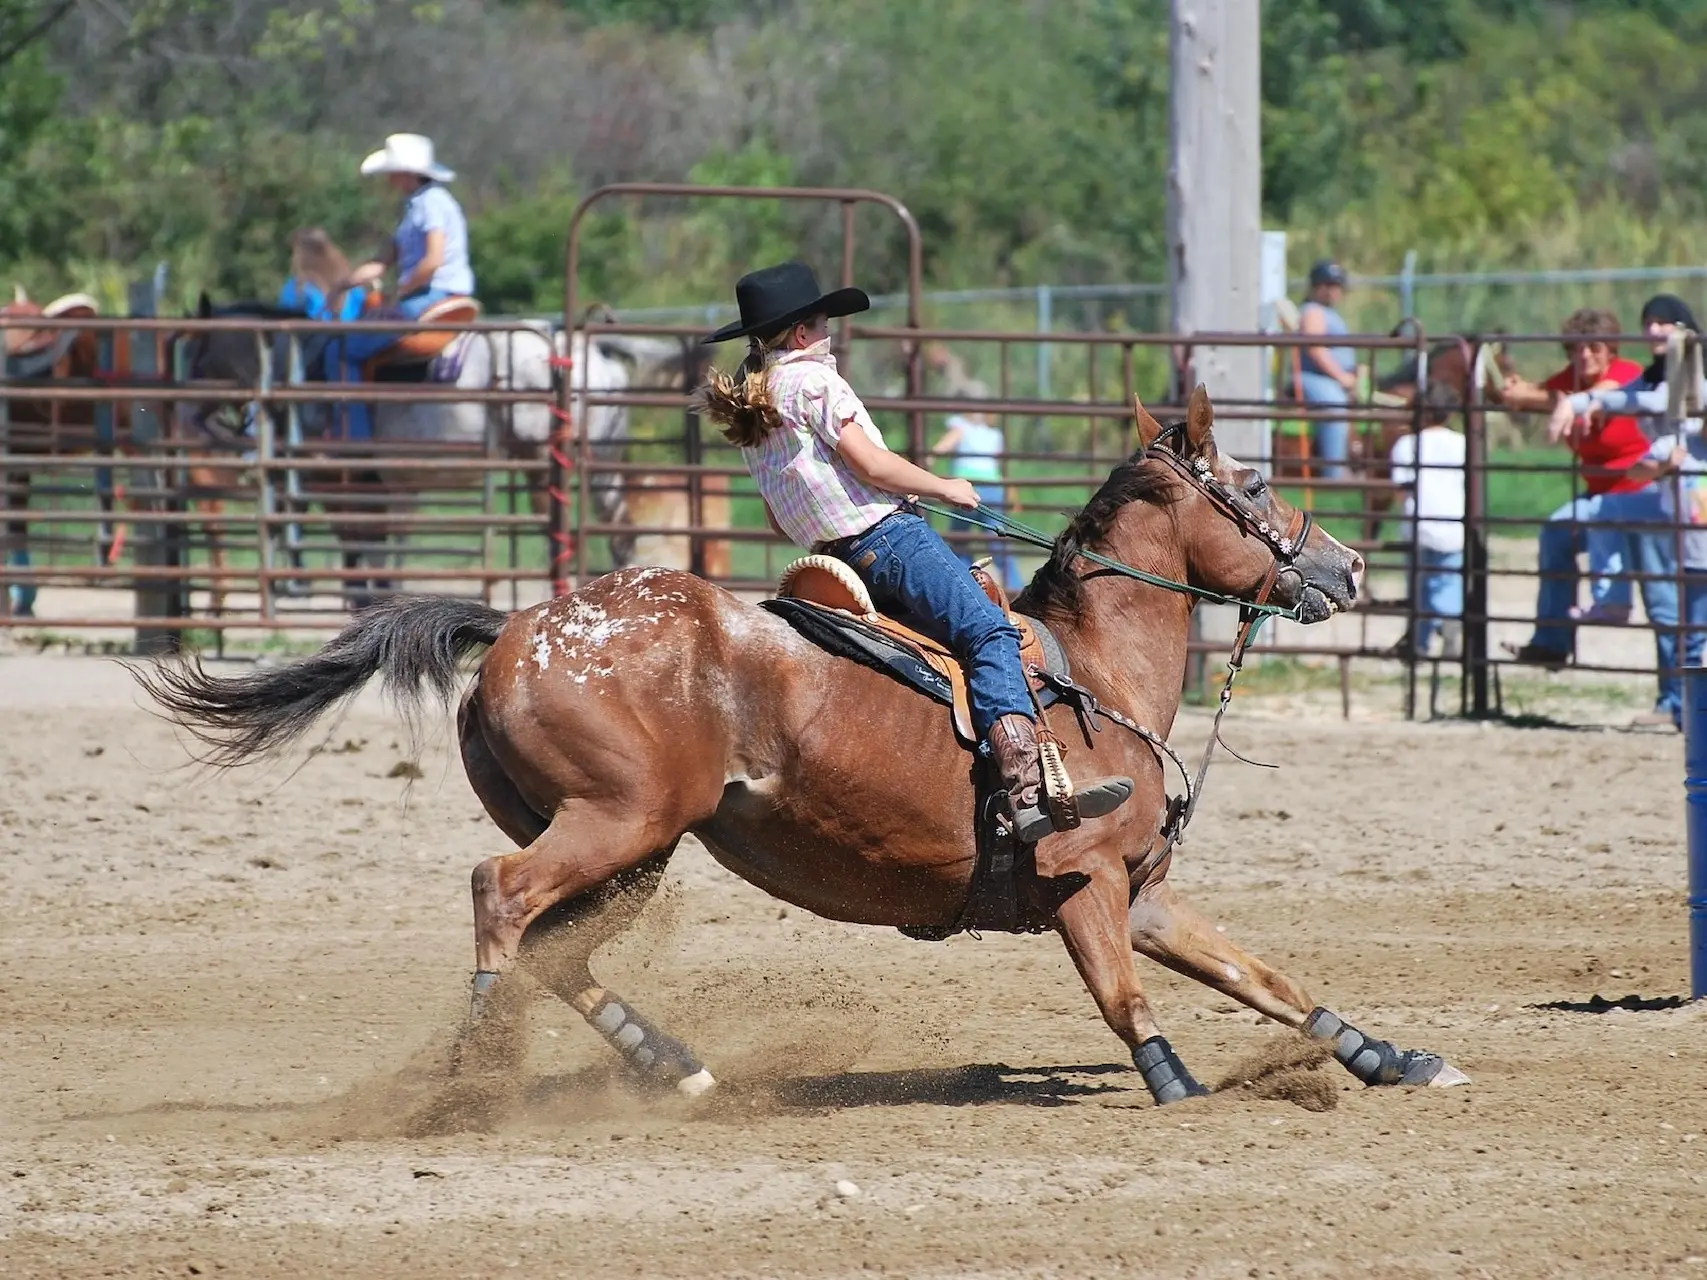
[{"x": 1013, "y": 743}]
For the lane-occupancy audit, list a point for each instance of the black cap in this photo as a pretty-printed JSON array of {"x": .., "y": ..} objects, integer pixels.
[
  {"x": 1327, "y": 271},
  {"x": 774, "y": 298},
  {"x": 1668, "y": 308}
]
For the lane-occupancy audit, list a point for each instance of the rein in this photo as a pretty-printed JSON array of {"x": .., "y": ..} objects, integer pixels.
[{"x": 1252, "y": 612}]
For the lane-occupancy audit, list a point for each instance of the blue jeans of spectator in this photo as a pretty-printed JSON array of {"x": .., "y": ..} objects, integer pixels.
[
  {"x": 1584, "y": 524},
  {"x": 1439, "y": 591},
  {"x": 1563, "y": 537},
  {"x": 1330, "y": 439},
  {"x": 1654, "y": 556},
  {"x": 914, "y": 575},
  {"x": 348, "y": 353},
  {"x": 1006, "y": 566},
  {"x": 22, "y": 594}
]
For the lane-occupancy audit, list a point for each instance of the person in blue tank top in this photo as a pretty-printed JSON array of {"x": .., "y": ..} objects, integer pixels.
[
  {"x": 974, "y": 446},
  {"x": 1329, "y": 372},
  {"x": 429, "y": 250}
]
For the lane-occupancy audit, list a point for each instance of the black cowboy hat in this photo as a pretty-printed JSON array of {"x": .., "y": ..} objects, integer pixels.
[{"x": 774, "y": 298}]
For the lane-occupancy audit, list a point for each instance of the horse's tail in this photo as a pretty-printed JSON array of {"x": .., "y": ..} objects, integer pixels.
[{"x": 414, "y": 643}]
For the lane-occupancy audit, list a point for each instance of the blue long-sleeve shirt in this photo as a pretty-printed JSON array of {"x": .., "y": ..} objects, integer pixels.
[{"x": 1641, "y": 398}]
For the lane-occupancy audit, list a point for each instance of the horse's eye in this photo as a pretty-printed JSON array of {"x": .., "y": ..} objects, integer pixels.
[{"x": 1255, "y": 487}]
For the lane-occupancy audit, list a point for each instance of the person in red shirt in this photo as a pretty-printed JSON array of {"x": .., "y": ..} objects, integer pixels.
[{"x": 1606, "y": 452}]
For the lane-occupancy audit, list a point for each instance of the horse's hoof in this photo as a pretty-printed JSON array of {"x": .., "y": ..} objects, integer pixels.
[
  {"x": 698, "y": 1084},
  {"x": 1431, "y": 1071},
  {"x": 1165, "y": 1075}
]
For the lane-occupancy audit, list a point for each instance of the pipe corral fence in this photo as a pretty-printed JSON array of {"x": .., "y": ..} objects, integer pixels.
[{"x": 136, "y": 523}]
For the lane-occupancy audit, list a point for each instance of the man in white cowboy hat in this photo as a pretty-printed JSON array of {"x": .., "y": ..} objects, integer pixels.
[{"x": 429, "y": 250}]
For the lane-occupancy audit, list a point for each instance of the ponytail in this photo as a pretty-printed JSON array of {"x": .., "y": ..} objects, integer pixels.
[{"x": 741, "y": 402}]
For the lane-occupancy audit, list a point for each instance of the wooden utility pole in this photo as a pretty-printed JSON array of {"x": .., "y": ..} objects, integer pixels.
[{"x": 1215, "y": 203}]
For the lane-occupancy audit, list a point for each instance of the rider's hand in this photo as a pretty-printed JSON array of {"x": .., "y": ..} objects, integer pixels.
[{"x": 960, "y": 493}]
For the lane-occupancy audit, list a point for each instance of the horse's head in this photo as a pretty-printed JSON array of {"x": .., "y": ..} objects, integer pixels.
[
  {"x": 1451, "y": 366},
  {"x": 1239, "y": 537}
]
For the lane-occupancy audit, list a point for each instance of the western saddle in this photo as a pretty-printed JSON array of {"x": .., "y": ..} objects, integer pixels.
[
  {"x": 33, "y": 352},
  {"x": 422, "y": 344},
  {"x": 828, "y": 582}
]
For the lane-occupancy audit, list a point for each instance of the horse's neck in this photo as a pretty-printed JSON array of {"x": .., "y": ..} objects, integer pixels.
[{"x": 1129, "y": 639}]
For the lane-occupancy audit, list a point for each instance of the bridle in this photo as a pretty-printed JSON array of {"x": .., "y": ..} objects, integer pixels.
[{"x": 1286, "y": 548}]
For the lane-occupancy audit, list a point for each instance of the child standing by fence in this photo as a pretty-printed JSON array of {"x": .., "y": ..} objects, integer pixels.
[{"x": 1431, "y": 463}]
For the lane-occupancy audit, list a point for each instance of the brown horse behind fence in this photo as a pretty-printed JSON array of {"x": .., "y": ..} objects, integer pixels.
[
  {"x": 48, "y": 428},
  {"x": 603, "y": 726}
]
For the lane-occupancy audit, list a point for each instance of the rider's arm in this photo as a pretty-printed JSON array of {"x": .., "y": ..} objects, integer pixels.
[
  {"x": 770, "y": 519},
  {"x": 890, "y": 472},
  {"x": 372, "y": 269},
  {"x": 431, "y": 260},
  {"x": 1315, "y": 322}
]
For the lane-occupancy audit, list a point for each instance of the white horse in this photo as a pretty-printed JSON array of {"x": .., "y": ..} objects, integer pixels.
[{"x": 528, "y": 358}]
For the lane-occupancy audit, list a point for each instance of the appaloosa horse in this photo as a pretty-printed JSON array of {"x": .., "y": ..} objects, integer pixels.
[{"x": 603, "y": 726}]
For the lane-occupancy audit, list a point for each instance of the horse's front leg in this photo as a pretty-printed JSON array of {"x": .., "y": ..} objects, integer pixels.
[
  {"x": 1093, "y": 925},
  {"x": 1170, "y": 932},
  {"x": 207, "y": 483}
]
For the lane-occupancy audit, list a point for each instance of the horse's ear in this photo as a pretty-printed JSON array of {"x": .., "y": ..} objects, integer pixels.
[
  {"x": 1149, "y": 430},
  {"x": 204, "y": 306},
  {"x": 1200, "y": 424}
]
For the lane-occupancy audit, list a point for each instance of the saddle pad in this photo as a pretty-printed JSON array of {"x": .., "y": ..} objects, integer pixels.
[
  {"x": 28, "y": 365},
  {"x": 912, "y": 659}
]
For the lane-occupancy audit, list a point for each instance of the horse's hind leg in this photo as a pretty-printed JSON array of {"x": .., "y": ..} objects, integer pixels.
[
  {"x": 557, "y": 948},
  {"x": 558, "y": 943},
  {"x": 1170, "y": 932},
  {"x": 1093, "y": 925}
]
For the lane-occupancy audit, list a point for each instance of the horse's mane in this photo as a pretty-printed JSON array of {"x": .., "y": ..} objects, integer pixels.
[{"x": 1056, "y": 588}]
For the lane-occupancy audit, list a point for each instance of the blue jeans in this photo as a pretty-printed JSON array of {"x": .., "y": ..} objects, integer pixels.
[
  {"x": 1006, "y": 566},
  {"x": 1651, "y": 554},
  {"x": 1655, "y": 556},
  {"x": 1440, "y": 591},
  {"x": 1563, "y": 537},
  {"x": 1330, "y": 439},
  {"x": 914, "y": 575},
  {"x": 22, "y": 594},
  {"x": 349, "y": 352}
]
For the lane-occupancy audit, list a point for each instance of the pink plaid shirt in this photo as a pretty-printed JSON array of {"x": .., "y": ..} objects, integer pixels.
[{"x": 810, "y": 489}]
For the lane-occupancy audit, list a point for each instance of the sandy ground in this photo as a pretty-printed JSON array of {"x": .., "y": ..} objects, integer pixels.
[{"x": 227, "y": 1000}]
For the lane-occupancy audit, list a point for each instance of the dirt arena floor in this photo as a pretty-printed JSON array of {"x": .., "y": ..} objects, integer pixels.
[{"x": 227, "y": 1000}]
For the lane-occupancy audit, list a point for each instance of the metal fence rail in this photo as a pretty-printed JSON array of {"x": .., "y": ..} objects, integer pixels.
[{"x": 286, "y": 537}]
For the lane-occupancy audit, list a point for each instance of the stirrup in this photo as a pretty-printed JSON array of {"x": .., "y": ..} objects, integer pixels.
[{"x": 1093, "y": 800}]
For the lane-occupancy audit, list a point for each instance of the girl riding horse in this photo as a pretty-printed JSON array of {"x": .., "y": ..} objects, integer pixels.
[{"x": 831, "y": 484}]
